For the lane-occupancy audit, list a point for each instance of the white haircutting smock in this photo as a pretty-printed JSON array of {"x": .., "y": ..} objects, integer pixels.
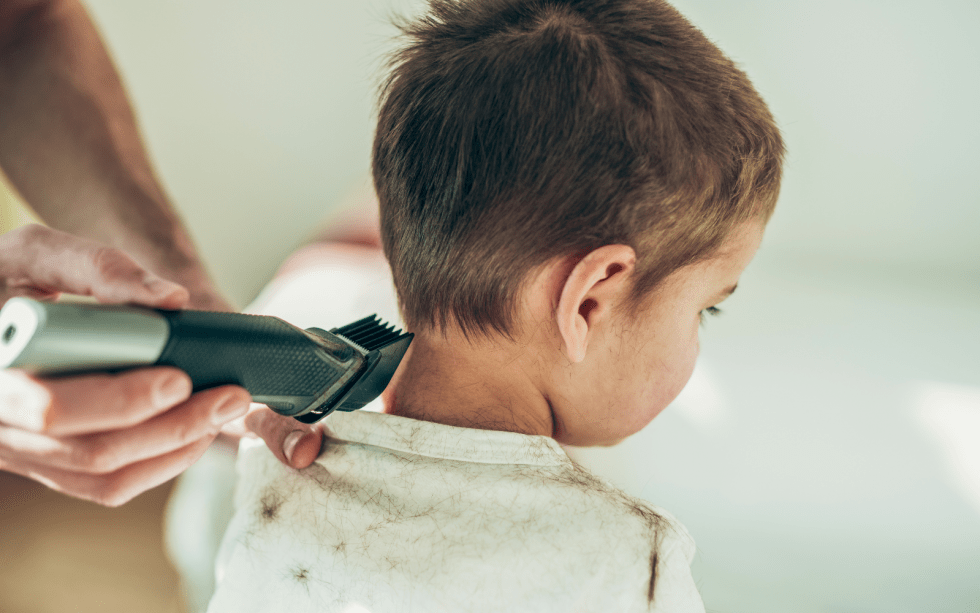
[{"x": 400, "y": 515}]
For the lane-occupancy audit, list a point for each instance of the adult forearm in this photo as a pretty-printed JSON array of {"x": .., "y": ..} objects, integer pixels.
[{"x": 69, "y": 142}]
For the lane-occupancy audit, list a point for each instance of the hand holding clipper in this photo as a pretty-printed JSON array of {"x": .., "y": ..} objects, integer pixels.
[{"x": 102, "y": 437}]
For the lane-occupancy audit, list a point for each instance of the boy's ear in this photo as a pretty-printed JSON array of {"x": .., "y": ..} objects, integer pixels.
[{"x": 589, "y": 293}]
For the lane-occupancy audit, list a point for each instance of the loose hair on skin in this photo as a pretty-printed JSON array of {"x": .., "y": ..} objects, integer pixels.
[{"x": 514, "y": 132}]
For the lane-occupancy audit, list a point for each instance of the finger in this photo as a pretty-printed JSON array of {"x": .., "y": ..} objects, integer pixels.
[
  {"x": 42, "y": 259},
  {"x": 236, "y": 428},
  {"x": 24, "y": 402},
  {"x": 36, "y": 293},
  {"x": 99, "y": 402},
  {"x": 294, "y": 443},
  {"x": 119, "y": 487},
  {"x": 106, "y": 452}
]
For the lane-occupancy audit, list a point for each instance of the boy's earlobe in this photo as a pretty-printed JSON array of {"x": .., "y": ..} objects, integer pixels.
[{"x": 589, "y": 294}]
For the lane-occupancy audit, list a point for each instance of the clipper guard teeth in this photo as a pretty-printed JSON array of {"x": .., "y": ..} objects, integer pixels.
[{"x": 370, "y": 333}]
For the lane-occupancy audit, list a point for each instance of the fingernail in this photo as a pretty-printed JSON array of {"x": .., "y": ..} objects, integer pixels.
[
  {"x": 231, "y": 408},
  {"x": 23, "y": 403},
  {"x": 161, "y": 289},
  {"x": 173, "y": 390},
  {"x": 289, "y": 445},
  {"x": 158, "y": 286}
]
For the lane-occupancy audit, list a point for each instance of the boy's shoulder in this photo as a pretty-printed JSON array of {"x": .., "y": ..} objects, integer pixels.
[{"x": 447, "y": 513}]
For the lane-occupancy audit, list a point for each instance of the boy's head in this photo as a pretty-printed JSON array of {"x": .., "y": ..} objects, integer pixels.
[
  {"x": 598, "y": 164},
  {"x": 513, "y": 132}
]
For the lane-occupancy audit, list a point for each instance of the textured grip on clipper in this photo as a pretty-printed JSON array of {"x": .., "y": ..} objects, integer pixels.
[{"x": 276, "y": 362}]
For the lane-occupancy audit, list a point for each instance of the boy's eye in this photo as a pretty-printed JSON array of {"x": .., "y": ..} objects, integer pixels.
[{"x": 713, "y": 311}]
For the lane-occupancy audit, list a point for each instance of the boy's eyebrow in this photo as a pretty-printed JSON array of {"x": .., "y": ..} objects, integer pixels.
[{"x": 729, "y": 291}]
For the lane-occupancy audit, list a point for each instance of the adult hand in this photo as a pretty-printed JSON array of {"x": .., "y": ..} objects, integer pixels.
[
  {"x": 295, "y": 444},
  {"x": 102, "y": 437}
]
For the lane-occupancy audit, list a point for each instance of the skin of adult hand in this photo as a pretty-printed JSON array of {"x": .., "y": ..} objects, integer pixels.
[
  {"x": 294, "y": 443},
  {"x": 100, "y": 437}
]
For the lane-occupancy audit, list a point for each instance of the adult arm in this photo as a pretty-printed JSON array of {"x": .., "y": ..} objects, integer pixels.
[{"x": 69, "y": 143}]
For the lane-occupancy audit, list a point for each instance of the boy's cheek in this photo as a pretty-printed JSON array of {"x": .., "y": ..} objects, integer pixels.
[
  {"x": 663, "y": 386},
  {"x": 616, "y": 393}
]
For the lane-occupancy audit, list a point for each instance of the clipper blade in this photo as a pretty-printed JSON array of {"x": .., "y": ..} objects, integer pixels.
[
  {"x": 382, "y": 346},
  {"x": 370, "y": 333}
]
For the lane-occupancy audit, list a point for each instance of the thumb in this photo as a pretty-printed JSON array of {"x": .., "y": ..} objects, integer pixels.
[
  {"x": 294, "y": 443},
  {"x": 39, "y": 260},
  {"x": 114, "y": 277}
]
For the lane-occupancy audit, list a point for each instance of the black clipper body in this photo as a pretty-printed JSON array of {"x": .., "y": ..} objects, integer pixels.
[{"x": 304, "y": 374}]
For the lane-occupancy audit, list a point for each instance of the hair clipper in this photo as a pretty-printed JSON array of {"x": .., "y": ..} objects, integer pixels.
[{"x": 304, "y": 374}]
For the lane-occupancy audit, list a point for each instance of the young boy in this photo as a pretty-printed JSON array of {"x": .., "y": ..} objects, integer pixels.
[{"x": 565, "y": 188}]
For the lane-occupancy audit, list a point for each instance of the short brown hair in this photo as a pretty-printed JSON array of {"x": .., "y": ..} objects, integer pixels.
[{"x": 512, "y": 132}]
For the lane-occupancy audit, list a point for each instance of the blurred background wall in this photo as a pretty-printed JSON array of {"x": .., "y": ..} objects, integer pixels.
[{"x": 825, "y": 456}]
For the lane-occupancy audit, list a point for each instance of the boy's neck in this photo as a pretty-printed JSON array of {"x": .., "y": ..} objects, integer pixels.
[{"x": 448, "y": 380}]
